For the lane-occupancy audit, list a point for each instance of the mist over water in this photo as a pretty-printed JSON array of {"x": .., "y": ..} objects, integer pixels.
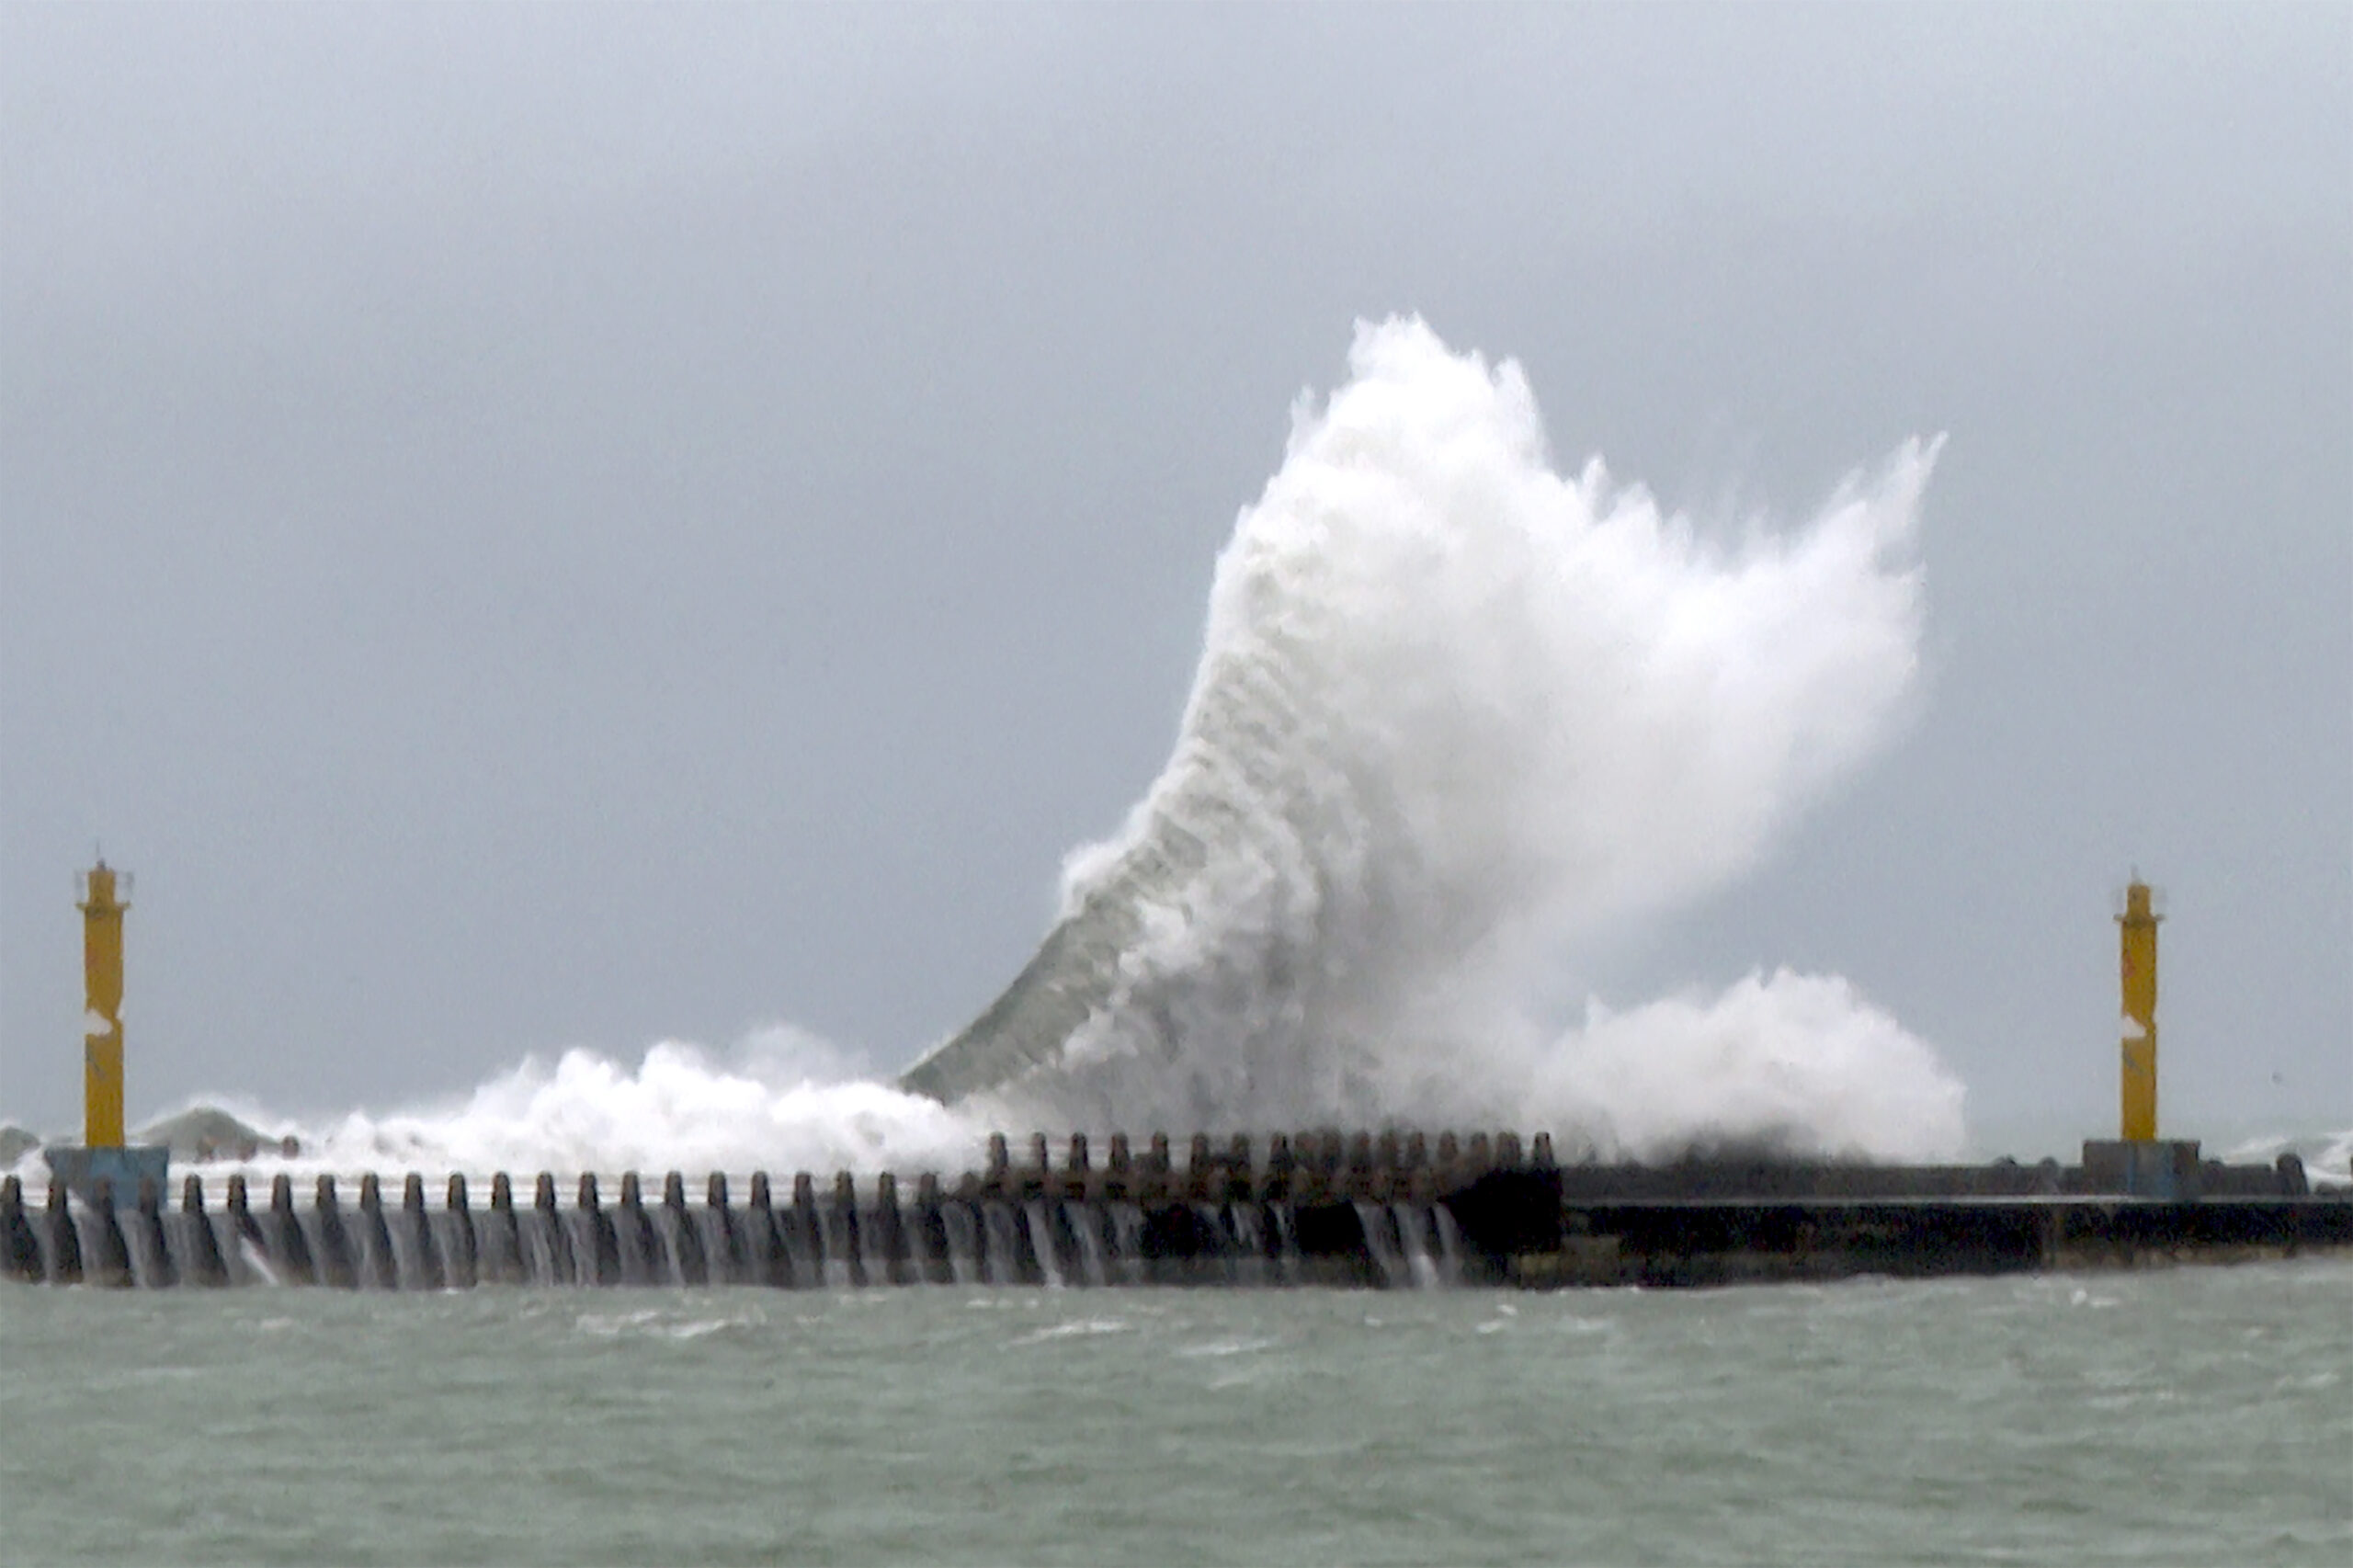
[{"x": 1458, "y": 718}]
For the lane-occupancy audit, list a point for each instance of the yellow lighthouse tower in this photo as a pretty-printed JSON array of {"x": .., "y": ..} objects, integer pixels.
[
  {"x": 102, "y": 914},
  {"x": 2137, "y": 1161},
  {"x": 103, "y": 1157},
  {"x": 2138, "y": 924}
]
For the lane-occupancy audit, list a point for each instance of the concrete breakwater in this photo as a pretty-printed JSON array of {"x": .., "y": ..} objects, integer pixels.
[{"x": 1391, "y": 1211}]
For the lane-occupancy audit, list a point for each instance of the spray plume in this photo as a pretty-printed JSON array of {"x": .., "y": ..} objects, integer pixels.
[{"x": 1457, "y": 714}]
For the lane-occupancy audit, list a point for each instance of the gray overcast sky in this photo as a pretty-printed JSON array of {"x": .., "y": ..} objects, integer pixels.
[{"x": 542, "y": 527}]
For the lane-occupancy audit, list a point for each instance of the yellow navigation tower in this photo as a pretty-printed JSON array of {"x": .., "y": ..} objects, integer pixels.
[
  {"x": 2137, "y": 1161},
  {"x": 128, "y": 1174},
  {"x": 102, "y": 914},
  {"x": 2139, "y": 925}
]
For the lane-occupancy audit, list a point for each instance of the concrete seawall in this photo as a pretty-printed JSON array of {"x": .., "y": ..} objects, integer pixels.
[{"x": 1318, "y": 1207}]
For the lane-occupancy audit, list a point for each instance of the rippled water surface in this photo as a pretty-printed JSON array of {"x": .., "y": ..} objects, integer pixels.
[{"x": 2195, "y": 1415}]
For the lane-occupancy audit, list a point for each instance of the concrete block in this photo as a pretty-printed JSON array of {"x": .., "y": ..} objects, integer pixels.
[
  {"x": 2166, "y": 1169},
  {"x": 80, "y": 1170}
]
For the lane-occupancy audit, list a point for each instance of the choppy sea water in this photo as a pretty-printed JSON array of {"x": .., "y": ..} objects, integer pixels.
[{"x": 2188, "y": 1415}]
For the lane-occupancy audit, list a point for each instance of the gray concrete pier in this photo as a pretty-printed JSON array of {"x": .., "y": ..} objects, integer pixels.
[{"x": 1387, "y": 1208}]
